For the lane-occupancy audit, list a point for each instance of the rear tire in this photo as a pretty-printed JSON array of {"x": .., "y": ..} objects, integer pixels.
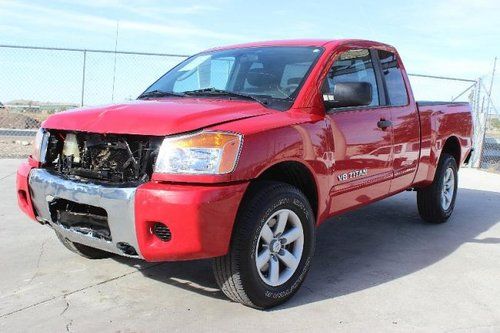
[
  {"x": 437, "y": 201},
  {"x": 83, "y": 250},
  {"x": 271, "y": 247}
]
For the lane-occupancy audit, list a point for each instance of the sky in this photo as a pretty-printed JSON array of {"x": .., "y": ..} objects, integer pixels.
[{"x": 458, "y": 38}]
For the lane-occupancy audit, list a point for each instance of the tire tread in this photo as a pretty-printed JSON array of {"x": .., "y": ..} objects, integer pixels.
[
  {"x": 226, "y": 269},
  {"x": 429, "y": 206}
]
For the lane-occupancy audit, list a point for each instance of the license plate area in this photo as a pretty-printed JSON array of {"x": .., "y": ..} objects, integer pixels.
[{"x": 81, "y": 218}]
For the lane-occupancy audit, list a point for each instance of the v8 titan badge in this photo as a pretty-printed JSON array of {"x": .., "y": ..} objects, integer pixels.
[{"x": 352, "y": 174}]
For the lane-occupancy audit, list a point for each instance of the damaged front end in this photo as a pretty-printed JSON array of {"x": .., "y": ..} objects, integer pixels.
[
  {"x": 96, "y": 215},
  {"x": 85, "y": 188},
  {"x": 107, "y": 158}
]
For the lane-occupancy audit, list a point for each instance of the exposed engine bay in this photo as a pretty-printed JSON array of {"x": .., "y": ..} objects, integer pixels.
[{"x": 122, "y": 159}]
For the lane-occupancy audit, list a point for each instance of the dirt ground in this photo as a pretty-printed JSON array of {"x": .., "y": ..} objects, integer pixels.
[{"x": 16, "y": 146}]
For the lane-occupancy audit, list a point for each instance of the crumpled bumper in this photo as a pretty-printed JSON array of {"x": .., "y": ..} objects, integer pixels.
[
  {"x": 118, "y": 203},
  {"x": 200, "y": 217}
]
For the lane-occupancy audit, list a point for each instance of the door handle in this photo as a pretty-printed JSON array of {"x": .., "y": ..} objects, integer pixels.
[{"x": 383, "y": 124}]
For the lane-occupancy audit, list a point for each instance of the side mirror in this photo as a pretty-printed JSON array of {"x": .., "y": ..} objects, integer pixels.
[{"x": 347, "y": 94}]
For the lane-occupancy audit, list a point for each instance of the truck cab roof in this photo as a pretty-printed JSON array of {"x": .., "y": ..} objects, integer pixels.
[{"x": 306, "y": 42}]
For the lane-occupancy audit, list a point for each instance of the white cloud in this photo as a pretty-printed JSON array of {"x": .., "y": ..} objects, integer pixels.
[
  {"x": 454, "y": 67},
  {"x": 9, "y": 29},
  {"x": 146, "y": 8},
  {"x": 65, "y": 19}
]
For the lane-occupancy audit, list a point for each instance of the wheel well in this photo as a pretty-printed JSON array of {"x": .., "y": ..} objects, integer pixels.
[
  {"x": 452, "y": 147},
  {"x": 295, "y": 174}
]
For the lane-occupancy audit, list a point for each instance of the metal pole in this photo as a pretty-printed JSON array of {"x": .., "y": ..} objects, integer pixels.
[
  {"x": 92, "y": 50},
  {"x": 485, "y": 117},
  {"x": 83, "y": 75},
  {"x": 441, "y": 77},
  {"x": 463, "y": 92},
  {"x": 487, "y": 114},
  {"x": 114, "y": 64},
  {"x": 491, "y": 86},
  {"x": 477, "y": 117}
]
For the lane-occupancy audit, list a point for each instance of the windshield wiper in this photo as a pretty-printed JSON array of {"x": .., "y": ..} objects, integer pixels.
[
  {"x": 159, "y": 93},
  {"x": 220, "y": 92}
]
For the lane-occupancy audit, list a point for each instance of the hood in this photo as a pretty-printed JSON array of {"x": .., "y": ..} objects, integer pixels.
[{"x": 155, "y": 117}]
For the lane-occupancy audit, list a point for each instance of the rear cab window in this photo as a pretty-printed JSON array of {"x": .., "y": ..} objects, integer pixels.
[{"x": 394, "y": 82}]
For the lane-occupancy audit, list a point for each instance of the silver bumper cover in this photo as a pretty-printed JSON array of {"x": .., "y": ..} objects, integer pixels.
[{"x": 117, "y": 201}]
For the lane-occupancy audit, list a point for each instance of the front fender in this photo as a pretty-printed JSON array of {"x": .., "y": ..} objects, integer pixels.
[{"x": 309, "y": 143}]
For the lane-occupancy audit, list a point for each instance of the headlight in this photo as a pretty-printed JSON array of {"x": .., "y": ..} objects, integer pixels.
[
  {"x": 201, "y": 153},
  {"x": 40, "y": 145}
]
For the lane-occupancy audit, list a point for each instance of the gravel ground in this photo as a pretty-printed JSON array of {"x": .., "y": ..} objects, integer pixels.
[{"x": 15, "y": 146}]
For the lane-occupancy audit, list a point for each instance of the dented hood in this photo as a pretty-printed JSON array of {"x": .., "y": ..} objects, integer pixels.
[{"x": 155, "y": 117}]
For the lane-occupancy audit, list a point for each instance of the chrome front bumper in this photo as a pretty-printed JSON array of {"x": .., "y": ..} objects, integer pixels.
[{"x": 117, "y": 201}]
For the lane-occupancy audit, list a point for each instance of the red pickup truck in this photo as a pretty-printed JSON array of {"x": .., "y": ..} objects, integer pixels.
[{"x": 239, "y": 153}]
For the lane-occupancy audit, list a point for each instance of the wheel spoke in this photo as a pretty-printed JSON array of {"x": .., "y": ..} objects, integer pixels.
[
  {"x": 281, "y": 224},
  {"x": 279, "y": 248},
  {"x": 448, "y": 189},
  {"x": 291, "y": 235},
  {"x": 288, "y": 259},
  {"x": 266, "y": 234},
  {"x": 274, "y": 270},
  {"x": 263, "y": 258}
]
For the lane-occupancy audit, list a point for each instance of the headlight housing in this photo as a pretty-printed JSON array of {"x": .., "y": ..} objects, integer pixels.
[
  {"x": 40, "y": 145},
  {"x": 213, "y": 153}
]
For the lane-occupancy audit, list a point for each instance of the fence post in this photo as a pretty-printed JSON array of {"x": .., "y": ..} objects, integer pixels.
[
  {"x": 487, "y": 112},
  {"x": 484, "y": 114},
  {"x": 83, "y": 75},
  {"x": 477, "y": 125}
]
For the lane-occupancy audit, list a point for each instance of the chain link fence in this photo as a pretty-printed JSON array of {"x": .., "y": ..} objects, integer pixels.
[
  {"x": 480, "y": 94},
  {"x": 487, "y": 119},
  {"x": 36, "y": 82}
]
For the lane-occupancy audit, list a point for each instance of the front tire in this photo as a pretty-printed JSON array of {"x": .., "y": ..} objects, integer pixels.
[
  {"x": 437, "y": 201},
  {"x": 271, "y": 247}
]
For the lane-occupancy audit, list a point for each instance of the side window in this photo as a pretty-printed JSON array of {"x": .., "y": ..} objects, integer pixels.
[
  {"x": 353, "y": 66},
  {"x": 394, "y": 82},
  {"x": 204, "y": 73},
  {"x": 221, "y": 70},
  {"x": 292, "y": 76},
  {"x": 190, "y": 80},
  {"x": 247, "y": 86}
]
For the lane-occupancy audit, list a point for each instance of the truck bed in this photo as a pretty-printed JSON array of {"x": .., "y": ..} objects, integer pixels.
[{"x": 440, "y": 121}]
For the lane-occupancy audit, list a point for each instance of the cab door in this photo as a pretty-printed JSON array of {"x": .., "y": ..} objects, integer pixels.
[
  {"x": 405, "y": 118},
  {"x": 362, "y": 134}
]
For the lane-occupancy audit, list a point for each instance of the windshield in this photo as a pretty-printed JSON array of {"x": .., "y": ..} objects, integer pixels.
[{"x": 267, "y": 74}]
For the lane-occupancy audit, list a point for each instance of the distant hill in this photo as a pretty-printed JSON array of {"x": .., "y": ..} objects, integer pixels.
[{"x": 38, "y": 103}]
